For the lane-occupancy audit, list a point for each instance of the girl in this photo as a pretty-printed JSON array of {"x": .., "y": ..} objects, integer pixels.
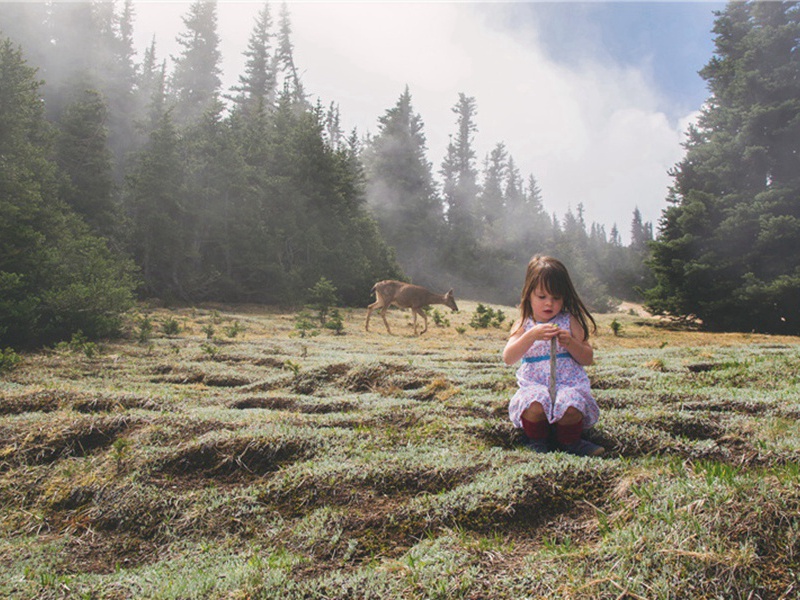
[{"x": 550, "y": 308}]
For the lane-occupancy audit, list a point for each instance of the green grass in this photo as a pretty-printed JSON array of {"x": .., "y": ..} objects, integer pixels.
[{"x": 363, "y": 465}]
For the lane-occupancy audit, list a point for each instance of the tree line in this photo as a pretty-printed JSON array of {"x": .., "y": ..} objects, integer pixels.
[{"x": 124, "y": 179}]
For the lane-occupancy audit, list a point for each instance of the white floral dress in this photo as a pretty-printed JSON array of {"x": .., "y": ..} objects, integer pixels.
[{"x": 572, "y": 382}]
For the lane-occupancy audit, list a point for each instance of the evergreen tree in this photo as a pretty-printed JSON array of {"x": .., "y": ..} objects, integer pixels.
[
  {"x": 459, "y": 169},
  {"x": 196, "y": 77},
  {"x": 527, "y": 227},
  {"x": 492, "y": 199},
  {"x": 330, "y": 234},
  {"x": 726, "y": 250},
  {"x": 284, "y": 65},
  {"x": 118, "y": 78},
  {"x": 83, "y": 154},
  {"x": 154, "y": 190},
  {"x": 55, "y": 277},
  {"x": 401, "y": 189},
  {"x": 461, "y": 252},
  {"x": 257, "y": 86},
  {"x": 214, "y": 184}
]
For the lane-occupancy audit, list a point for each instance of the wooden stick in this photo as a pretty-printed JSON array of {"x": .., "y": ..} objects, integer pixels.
[{"x": 553, "y": 344}]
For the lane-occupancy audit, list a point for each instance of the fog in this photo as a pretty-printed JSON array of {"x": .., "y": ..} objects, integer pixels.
[{"x": 593, "y": 131}]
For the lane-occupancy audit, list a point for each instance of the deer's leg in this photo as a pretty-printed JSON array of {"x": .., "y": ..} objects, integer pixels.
[
  {"x": 420, "y": 312},
  {"x": 383, "y": 316},
  {"x": 370, "y": 308}
]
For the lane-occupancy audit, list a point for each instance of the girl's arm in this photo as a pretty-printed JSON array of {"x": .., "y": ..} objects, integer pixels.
[
  {"x": 576, "y": 342},
  {"x": 521, "y": 340}
]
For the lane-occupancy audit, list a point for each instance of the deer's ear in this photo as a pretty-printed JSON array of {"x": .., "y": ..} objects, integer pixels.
[{"x": 450, "y": 293}]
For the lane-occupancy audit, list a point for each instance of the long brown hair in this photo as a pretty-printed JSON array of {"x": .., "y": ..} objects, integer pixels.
[{"x": 554, "y": 278}]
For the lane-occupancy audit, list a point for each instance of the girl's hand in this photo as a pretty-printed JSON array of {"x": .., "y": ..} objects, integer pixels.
[
  {"x": 565, "y": 338},
  {"x": 520, "y": 341},
  {"x": 544, "y": 331},
  {"x": 576, "y": 343}
]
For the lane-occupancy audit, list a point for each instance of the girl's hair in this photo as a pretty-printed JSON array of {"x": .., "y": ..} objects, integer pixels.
[{"x": 554, "y": 278}]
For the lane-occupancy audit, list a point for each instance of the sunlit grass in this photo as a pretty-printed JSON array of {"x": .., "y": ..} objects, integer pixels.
[{"x": 247, "y": 462}]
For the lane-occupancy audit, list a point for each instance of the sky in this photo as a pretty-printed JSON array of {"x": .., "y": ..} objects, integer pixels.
[{"x": 591, "y": 98}]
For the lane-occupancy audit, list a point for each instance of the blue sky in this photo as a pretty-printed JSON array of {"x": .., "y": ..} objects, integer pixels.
[
  {"x": 675, "y": 38},
  {"x": 591, "y": 98}
]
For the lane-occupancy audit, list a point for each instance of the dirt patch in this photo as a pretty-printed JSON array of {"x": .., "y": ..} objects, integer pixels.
[
  {"x": 265, "y": 402},
  {"x": 323, "y": 408},
  {"x": 393, "y": 481},
  {"x": 225, "y": 381},
  {"x": 106, "y": 553},
  {"x": 501, "y": 434},
  {"x": 105, "y": 403},
  {"x": 372, "y": 377},
  {"x": 77, "y": 437},
  {"x": 233, "y": 459},
  {"x": 439, "y": 389},
  {"x": 605, "y": 402},
  {"x": 610, "y": 383},
  {"x": 691, "y": 428},
  {"x": 726, "y": 406},
  {"x": 37, "y": 401},
  {"x": 702, "y": 367},
  {"x": 268, "y": 362},
  {"x": 180, "y": 377},
  {"x": 679, "y": 398}
]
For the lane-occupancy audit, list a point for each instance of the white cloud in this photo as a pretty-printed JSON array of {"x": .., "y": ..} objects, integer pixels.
[{"x": 590, "y": 133}]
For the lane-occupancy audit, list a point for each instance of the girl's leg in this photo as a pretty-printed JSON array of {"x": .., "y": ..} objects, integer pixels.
[
  {"x": 568, "y": 434},
  {"x": 534, "y": 422}
]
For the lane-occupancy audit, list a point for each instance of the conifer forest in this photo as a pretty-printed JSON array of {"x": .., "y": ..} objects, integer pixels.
[{"x": 124, "y": 180}]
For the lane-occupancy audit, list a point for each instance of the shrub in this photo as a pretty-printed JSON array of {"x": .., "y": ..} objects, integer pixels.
[
  {"x": 335, "y": 323},
  {"x": 171, "y": 326},
  {"x": 616, "y": 327},
  {"x": 486, "y": 316},
  {"x": 145, "y": 330},
  {"x": 304, "y": 324},
  {"x": 439, "y": 319},
  {"x": 322, "y": 297},
  {"x": 233, "y": 330},
  {"x": 79, "y": 343},
  {"x": 8, "y": 360}
]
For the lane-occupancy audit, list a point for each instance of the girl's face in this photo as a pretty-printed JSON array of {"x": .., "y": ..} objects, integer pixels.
[{"x": 545, "y": 306}]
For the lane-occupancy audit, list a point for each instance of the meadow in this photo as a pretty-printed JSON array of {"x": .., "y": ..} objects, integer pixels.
[{"x": 215, "y": 453}]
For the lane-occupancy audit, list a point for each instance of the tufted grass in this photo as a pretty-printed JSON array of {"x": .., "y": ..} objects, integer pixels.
[{"x": 202, "y": 464}]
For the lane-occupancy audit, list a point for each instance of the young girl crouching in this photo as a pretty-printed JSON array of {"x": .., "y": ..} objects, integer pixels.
[{"x": 550, "y": 308}]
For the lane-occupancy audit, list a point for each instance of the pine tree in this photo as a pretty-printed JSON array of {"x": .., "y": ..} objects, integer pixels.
[
  {"x": 151, "y": 93},
  {"x": 196, "y": 77},
  {"x": 55, "y": 277},
  {"x": 459, "y": 167},
  {"x": 284, "y": 65},
  {"x": 461, "y": 252},
  {"x": 154, "y": 190},
  {"x": 727, "y": 242},
  {"x": 257, "y": 86},
  {"x": 492, "y": 199},
  {"x": 83, "y": 154},
  {"x": 401, "y": 189}
]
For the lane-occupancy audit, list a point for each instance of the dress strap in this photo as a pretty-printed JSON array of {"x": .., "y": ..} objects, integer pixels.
[{"x": 535, "y": 359}]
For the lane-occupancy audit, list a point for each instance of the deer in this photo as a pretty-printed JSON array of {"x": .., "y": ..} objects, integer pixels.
[{"x": 406, "y": 295}]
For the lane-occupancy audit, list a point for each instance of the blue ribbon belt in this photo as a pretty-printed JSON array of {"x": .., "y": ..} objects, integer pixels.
[{"x": 535, "y": 359}]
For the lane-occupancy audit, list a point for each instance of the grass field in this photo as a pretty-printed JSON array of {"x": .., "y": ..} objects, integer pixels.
[{"x": 234, "y": 459}]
